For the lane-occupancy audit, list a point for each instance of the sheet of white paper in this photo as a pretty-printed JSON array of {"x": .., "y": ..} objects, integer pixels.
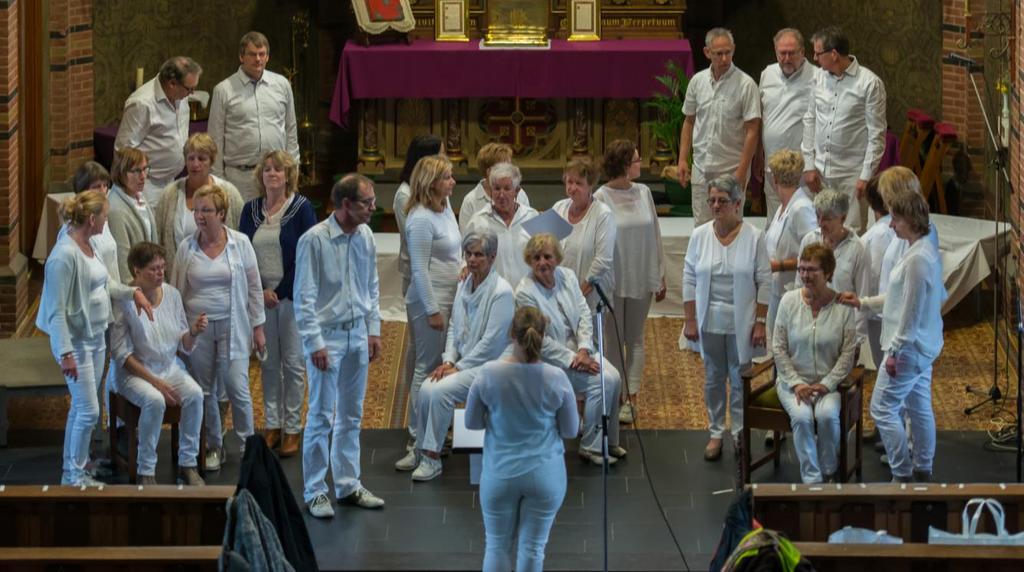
[{"x": 548, "y": 222}]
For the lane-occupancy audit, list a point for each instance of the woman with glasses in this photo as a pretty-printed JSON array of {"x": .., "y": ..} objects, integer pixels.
[
  {"x": 432, "y": 234},
  {"x": 815, "y": 347},
  {"x": 639, "y": 264},
  {"x": 726, "y": 289},
  {"x": 131, "y": 216},
  {"x": 174, "y": 216},
  {"x": 217, "y": 274},
  {"x": 274, "y": 222},
  {"x": 853, "y": 262}
]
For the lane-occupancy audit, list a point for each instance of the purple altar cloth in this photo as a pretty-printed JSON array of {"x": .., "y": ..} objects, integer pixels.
[{"x": 444, "y": 70}]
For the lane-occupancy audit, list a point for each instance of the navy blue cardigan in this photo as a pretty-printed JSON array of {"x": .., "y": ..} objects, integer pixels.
[{"x": 295, "y": 221}]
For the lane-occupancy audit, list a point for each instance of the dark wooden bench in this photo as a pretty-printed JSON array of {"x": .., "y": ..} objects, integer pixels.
[
  {"x": 111, "y": 558},
  {"x": 28, "y": 369},
  {"x": 911, "y": 557},
  {"x": 114, "y": 515}
]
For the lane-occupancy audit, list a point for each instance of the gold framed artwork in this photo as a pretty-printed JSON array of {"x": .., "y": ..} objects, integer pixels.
[
  {"x": 516, "y": 23},
  {"x": 451, "y": 21},
  {"x": 584, "y": 20}
]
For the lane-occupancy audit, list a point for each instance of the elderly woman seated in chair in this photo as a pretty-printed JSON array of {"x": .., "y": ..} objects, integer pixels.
[{"x": 815, "y": 345}]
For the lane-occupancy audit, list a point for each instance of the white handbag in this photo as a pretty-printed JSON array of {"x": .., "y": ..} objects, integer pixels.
[{"x": 969, "y": 532}]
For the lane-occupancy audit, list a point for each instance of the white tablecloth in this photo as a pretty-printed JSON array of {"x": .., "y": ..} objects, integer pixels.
[{"x": 968, "y": 249}]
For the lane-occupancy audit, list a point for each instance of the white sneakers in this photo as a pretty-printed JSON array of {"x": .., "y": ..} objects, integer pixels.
[
  {"x": 626, "y": 413},
  {"x": 321, "y": 507},
  {"x": 409, "y": 461},
  {"x": 361, "y": 498},
  {"x": 215, "y": 458},
  {"x": 428, "y": 469}
]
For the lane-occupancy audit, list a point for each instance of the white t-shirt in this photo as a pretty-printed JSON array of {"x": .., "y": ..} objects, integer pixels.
[{"x": 209, "y": 281}]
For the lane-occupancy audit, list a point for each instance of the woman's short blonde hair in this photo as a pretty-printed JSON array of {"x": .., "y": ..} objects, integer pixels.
[
  {"x": 491, "y": 154},
  {"x": 539, "y": 243},
  {"x": 787, "y": 166},
  {"x": 217, "y": 196},
  {"x": 425, "y": 174},
  {"x": 895, "y": 180},
  {"x": 201, "y": 144},
  {"x": 911, "y": 207},
  {"x": 582, "y": 166},
  {"x": 281, "y": 160},
  {"x": 125, "y": 159}
]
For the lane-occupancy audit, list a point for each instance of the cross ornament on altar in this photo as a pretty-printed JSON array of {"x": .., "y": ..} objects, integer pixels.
[{"x": 525, "y": 123}]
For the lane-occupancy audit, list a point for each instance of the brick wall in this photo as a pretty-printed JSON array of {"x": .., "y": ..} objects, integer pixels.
[
  {"x": 13, "y": 267},
  {"x": 1016, "y": 169},
  {"x": 71, "y": 86}
]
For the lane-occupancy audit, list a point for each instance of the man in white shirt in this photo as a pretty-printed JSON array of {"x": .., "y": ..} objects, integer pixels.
[
  {"x": 844, "y": 126},
  {"x": 723, "y": 117},
  {"x": 337, "y": 309},
  {"x": 155, "y": 121},
  {"x": 785, "y": 90},
  {"x": 252, "y": 112}
]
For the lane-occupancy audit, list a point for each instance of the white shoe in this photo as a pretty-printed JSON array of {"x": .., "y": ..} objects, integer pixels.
[
  {"x": 595, "y": 457},
  {"x": 428, "y": 469},
  {"x": 409, "y": 461},
  {"x": 214, "y": 459},
  {"x": 626, "y": 413},
  {"x": 363, "y": 499},
  {"x": 321, "y": 507},
  {"x": 88, "y": 481}
]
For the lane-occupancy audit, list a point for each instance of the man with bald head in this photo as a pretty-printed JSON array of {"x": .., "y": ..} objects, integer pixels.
[
  {"x": 785, "y": 88},
  {"x": 723, "y": 118}
]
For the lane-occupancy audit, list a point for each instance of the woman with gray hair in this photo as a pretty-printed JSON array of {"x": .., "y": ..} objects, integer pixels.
[
  {"x": 726, "y": 276},
  {"x": 853, "y": 262},
  {"x": 504, "y": 218},
  {"x": 477, "y": 334}
]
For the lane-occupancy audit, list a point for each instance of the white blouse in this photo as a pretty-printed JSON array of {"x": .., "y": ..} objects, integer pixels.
[
  {"x": 154, "y": 343},
  {"x": 477, "y": 199},
  {"x": 814, "y": 349},
  {"x": 512, "y": 240},
  {"x": 589, "y": 250},
  {"x": 639, "y": 255},
  {"x": 569, "y": 321},
  {"x": 785, "y": 233},
  {"x": 876, "y": 240},
  {"x": 434, "y": 258},
  {"x": 184, "y": 220},
  {"x": 401, "y": 200}
]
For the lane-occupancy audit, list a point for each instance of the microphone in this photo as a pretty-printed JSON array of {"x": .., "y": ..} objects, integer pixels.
[
  {"x": 600, "y": 293},
  {"x": 961, "y": 59}
]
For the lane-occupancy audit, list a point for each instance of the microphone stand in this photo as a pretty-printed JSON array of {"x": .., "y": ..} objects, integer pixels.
[
  {"x": 602, "y": 305},
  {"x": 993, "y": 394}
]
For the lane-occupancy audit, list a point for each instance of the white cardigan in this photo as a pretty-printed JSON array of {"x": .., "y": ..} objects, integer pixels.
[
  {"x": 751, "y": 281},
  {"x": 798, "y": 220},
  {"x": 566, "y": 307},
  {"x": 589, "y": 250},
  {"x": 246, "y": 287}
]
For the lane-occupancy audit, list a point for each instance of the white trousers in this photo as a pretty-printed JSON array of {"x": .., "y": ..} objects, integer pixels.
[
  {"x": 410, "y": 342},
  {"x": 429, "y": 345},
  {"x": 84, "y": 411},
  {"x": 335, "y": 413},
  {"x": 589, "y": 384},
  {"x": 211, "y": 364},
  {"x": 437, "y": 401},
  {"x": 631, "y": 315},
  {"x": 722, "y": 368},
  {"x": 818, "y": 456},
  {"x": 283, "y": 371},
  {"x": 244, "y": 181},
  {"x": 771, "y": 195},
  {"x": 910, "y": 391},
  {"x": 521, "y": 508},
  {"x": 143, "y": 395}
]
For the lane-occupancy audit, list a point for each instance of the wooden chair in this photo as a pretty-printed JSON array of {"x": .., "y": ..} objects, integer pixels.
[
  {"x": 121, "y": 408},
  {"x": 914, "y": 140},
  {"x": 762, "y": 410},
  {"x": 931, "y": 173}
]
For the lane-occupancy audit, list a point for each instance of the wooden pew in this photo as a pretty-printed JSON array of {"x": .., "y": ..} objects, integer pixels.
[
  {"x": 808, "y": 514},
  {"x": 114, "y": 515},
  {"x": 811, "y": 512},
  {"x": 111, "y": 558}
]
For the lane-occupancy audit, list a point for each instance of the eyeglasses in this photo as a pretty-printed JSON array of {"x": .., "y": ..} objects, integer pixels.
[
  {"x": 189, "y": 90},
  {"x": 206, "y": 212},
  {"x": 713, "y": 202},
  {"x": 818, "y": 54},
  {"x": 721, "y": 53},
  {"x": 368, "y": 203},
  {"x": 807, "y": 269},
  {"x": 139, "y": 170}
]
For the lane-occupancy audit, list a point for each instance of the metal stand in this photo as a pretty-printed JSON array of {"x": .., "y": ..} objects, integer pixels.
[
  {"x": 994, "y": 394},
  {"x": 604, "y": 430}
]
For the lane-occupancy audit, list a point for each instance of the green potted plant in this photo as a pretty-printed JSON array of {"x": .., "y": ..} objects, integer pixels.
[{"x": 665, "y": 127}]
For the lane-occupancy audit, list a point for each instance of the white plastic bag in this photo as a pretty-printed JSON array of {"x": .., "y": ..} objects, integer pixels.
[
  {"x": 853, "y": 535},
  {"x": 969, "y": 530}
]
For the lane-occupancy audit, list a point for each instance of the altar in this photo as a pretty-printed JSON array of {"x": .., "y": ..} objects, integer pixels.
[{"x": 548, "y": 104}]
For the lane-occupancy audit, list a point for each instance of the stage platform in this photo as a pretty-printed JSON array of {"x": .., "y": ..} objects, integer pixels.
[{"x": 438, "y": 525}]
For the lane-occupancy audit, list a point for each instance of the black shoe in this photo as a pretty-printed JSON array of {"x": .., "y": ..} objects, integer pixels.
[{"x": 922, "y": 476}]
